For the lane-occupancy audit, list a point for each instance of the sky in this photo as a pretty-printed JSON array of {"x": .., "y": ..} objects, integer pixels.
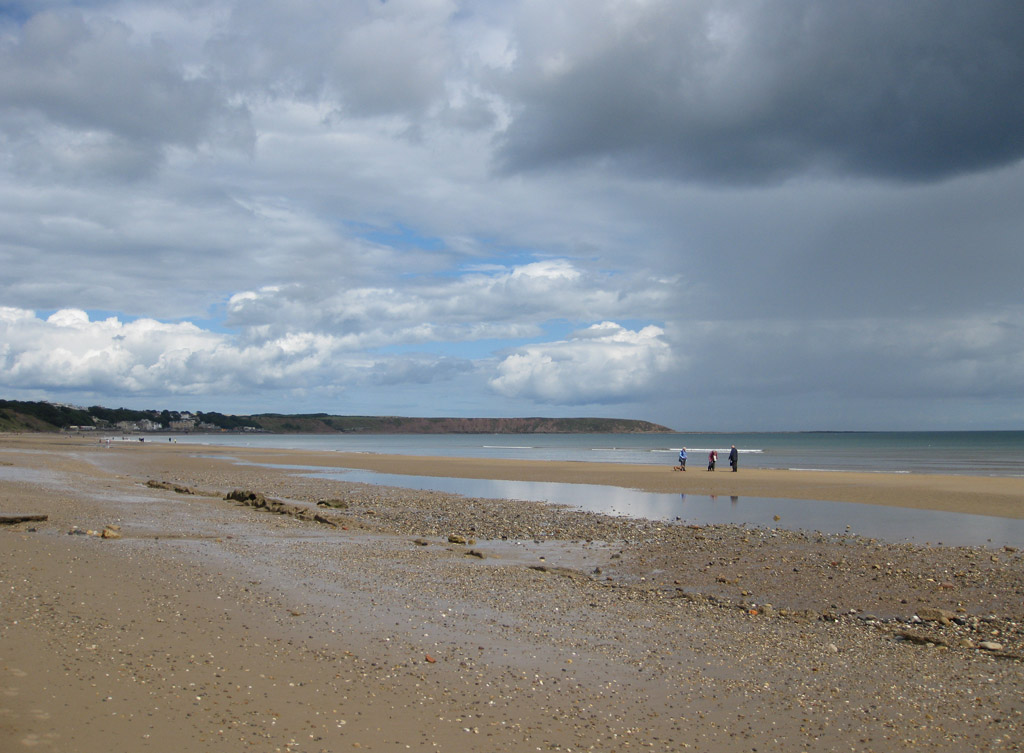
[{"x": 730, "y": 215}]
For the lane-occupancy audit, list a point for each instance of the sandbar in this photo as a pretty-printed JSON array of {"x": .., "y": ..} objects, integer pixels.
[{"x": 977, "y": 495}]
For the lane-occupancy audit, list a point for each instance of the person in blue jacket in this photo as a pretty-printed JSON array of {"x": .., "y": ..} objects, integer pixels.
[{"x": 682, "y": 460}]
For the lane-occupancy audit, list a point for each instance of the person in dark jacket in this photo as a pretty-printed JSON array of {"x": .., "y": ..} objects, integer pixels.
[{"x": 734, "y": 458}]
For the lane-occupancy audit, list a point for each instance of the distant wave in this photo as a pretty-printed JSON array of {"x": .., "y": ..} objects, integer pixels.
[
  {"x": 508, "y": 447},
  {"x": 843, "y": 470},
  {"x": 740, "y": 450}
]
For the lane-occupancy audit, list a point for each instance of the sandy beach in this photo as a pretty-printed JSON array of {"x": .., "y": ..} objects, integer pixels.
[{"x": 149, "y": 611}]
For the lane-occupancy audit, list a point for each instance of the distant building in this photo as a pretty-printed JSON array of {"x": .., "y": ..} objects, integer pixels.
[{"x": 183, "y": 425}]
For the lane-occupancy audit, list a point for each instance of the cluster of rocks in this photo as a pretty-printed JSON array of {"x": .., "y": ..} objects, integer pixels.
[
  {"x": 107, "y": 532},
  {"x": 10, "y": 519},
  {"x": 169, "y": 486},
  {"x": 180, "y": 489},
  {"x": 268, "y": 504}
]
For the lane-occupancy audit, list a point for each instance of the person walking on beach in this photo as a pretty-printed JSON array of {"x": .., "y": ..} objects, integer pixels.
[
  {"x": 682, "y": 460},
  {"x": 712, "y": 459},
  {"x": 734, "y": 458}
]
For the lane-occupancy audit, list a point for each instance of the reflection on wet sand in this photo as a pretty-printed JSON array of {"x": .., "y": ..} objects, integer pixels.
[{"x": 874, "y": 521}]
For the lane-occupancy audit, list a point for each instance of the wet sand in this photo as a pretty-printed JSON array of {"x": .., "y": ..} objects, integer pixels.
[
  {"x": 203, "y": 624},
  {"x": 978, "y": 495}
]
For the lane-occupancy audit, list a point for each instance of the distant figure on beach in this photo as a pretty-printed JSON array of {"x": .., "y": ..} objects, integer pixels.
[
  {"x": 734, "y": 458},
  {"x": 682, "y": 460},
  {"x": 712, "y": 459}
]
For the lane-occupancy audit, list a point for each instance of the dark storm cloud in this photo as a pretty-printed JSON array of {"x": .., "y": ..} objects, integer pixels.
[
  {"x": 809, "y": 249},
  {"x": 753, "y": 93}
]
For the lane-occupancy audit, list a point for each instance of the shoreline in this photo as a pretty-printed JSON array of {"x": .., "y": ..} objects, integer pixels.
[
  {"x": 993, "y": 496},
  {"x": 399, "y": 619}
]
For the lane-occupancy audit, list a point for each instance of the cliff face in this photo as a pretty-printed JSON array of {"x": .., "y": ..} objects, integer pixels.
[{"x": 324, "y": 424}]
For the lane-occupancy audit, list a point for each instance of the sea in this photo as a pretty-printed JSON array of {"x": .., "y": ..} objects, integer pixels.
[
  {"x": 977, "y": 453},
  {"x": 982, "y": 453}
]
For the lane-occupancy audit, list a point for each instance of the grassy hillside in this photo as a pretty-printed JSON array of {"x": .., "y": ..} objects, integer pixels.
[
  {"x": 28, "y": 416},
  {"x": 42, "y": 416},
  {"x": 322, "y": 423}
]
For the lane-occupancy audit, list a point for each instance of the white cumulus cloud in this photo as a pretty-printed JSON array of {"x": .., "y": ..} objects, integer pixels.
[
  {"x": 604, "y": 363},
  {"x": 69, "y": 351},
  {"x": 497, "y": 302}
]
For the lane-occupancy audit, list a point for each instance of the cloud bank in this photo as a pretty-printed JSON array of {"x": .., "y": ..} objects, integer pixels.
[{"x": 715, "y": 215}]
